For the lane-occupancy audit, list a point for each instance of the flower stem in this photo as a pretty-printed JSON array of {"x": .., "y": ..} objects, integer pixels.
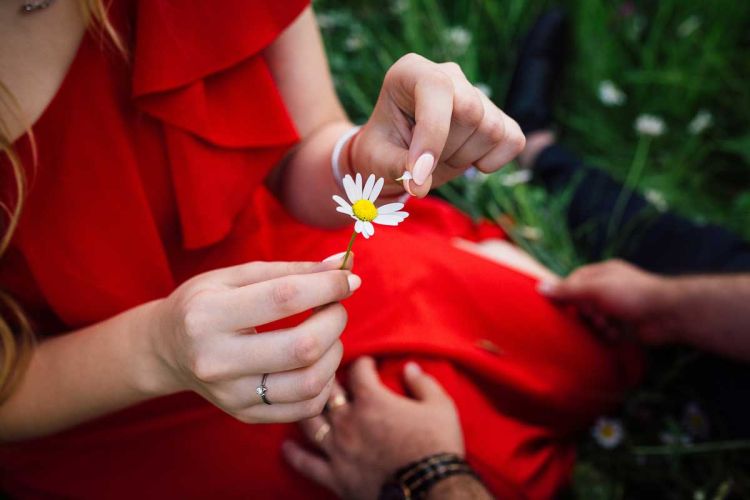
[{"x": 348, "y": 250}]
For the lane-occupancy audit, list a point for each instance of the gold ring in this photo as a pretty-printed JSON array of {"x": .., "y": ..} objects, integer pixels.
[
  {"x": 337, "y": 401},
  {"x": 322, "y": 432}
]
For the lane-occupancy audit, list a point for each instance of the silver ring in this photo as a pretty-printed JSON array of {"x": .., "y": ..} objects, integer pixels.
[{"x": 262, "y": 390}]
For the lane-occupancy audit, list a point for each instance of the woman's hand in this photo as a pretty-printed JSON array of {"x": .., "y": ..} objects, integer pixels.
[
  {"x": 367, "y": 439},
  {"x": 206, "y": 341},
  {"x": 430, "y": 121}
]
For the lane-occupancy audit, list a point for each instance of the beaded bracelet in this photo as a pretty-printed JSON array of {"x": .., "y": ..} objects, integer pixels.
[{"x": 415, "y": 480}]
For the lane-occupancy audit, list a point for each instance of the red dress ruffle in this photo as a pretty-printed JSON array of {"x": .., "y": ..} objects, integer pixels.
[{"x": 150, "y": 171}]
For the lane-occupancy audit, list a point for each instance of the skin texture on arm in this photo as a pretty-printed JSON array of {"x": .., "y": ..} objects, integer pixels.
[
  {"x": 708, "y": 312},
  {"x": 459, "y": 488}
]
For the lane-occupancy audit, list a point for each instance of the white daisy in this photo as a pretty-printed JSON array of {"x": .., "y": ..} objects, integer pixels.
[
  {"x": 650, "y": 125},
  {"x": 610, "y": 94},
  {"x": 608, "y": 432},
  {"x": 362, "y": 208}
]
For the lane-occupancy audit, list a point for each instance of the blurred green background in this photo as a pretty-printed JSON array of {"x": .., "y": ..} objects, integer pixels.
[{"x": 684, "y": 63}]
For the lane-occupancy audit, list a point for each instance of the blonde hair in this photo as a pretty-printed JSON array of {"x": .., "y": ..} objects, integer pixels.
[{"x": 16, "y": 335}]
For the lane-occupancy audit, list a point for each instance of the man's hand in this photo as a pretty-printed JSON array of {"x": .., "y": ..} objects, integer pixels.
[
  {"x": 367, "y": 439},
  {"x": 615, "y": 297}
]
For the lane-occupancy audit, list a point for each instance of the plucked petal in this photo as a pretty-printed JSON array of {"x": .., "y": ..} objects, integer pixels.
[
  {"x": 376, "y": 190},
  {"x": 390, "y": 208},
  {"x": 350, "y": 188},
  {"x": 368, "y": 187},
  {"x": 343, "y": 204},
  {"x": 391, "y": 219},
  {"x": 358, "y": 183},
  {"x": 359, "y": 226}
]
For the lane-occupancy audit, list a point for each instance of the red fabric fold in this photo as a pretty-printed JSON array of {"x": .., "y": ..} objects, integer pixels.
[{"x": 198, "y": 69}]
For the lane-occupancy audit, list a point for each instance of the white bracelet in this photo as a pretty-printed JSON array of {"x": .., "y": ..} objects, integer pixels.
[{"x": 335, "y": 163}]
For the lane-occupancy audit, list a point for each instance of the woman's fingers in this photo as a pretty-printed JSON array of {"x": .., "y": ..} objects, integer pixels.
[
  {"x": 261, "y": 303},
  {"x": 271, "y": 352},
  {"x": 468, "y": 109},
  {"x": 309, "y": 465},
  {"x": 495, "y": 142},
  {"x": 425, "y": 93},
  {"x": 255, "y": 272},
  {"x": 284, "y": 412},
  {"x": 286, "y": 387}
]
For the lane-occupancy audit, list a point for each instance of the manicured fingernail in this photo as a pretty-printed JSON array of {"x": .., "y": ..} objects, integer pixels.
[
  {"x": 423, "y": 168},
  {"x": 336, "y": 256},
  {"x": 354, "y": 282},
  {"x": 546, "y": 287},
  {"x": 412, "y": 369},
  {"x": 407, "y": 188}
]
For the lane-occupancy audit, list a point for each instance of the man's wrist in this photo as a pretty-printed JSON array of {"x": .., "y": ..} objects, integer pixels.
[{"x": 670, "y": 301}]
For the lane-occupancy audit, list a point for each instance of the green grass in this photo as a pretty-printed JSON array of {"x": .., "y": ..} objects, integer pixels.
[{"x": 672, "y": 59}]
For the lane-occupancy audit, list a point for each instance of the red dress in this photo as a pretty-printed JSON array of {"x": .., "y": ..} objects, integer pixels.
[{"x": 150, "y": 171}]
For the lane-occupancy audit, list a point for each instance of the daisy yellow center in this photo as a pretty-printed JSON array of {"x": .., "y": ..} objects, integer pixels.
[
  {"x": 365, "y": 210},
  {"x": 608, "y": 431}
]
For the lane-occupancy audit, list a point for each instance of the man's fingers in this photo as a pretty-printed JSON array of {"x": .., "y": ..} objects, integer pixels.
[
  {"x": 364, "y": 380},
  {"x": 318, "y": 432},
  {"x": 423, "y": 386},
  {"x": 309, "y": 465},
  {"x": 261, "y": 303}
]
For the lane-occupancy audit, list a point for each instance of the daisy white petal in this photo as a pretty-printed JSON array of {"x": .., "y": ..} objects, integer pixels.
[
  {"x": 376, "y": 189},
  {"x": 369, "y": 228},
  {"x": 390, "y": 208},
  {"x": 358, "y": 183},
  {"x": 390, "y": 219},
  {"x": 342, "y": 203},
  {"x": 368, "y": 187},
  {"x": 359, "y": 226},
  {"x": 350, "y": 188},
  {"x": 345, "y": 210}
]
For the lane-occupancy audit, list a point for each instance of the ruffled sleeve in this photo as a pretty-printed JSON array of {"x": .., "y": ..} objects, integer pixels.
[{"x": 198, "y": 68}]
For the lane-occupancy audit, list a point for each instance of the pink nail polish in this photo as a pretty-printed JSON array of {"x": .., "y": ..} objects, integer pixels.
[{"x": 423, "y": 168}]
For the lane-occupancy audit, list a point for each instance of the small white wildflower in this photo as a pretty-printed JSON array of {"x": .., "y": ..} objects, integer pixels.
[
  {"x": 650, "y": 125},
  {"x": 703, "y": 120},
  {"x": 399, "y": 6},
  {"x": 689, "y": 26},
  {"x": 516, "y": 178},
  {"x": 675, "y": 438},
  {"x": 531, "y": 233},
  {"x": 484, "y": 89},
  {"x": 610, "y": 94},
  {"x": 608, "y": 432},
  {"x": 332, "y": 19},
  {"x": 695, "y": 421},
  {"x": 354, "y": 42},
  {"x": 458, "y": 38},
  {"x": 657, "y": 199}
]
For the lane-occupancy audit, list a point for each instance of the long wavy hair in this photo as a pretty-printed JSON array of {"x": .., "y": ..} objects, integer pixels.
[{"x": 16, "y": 334}]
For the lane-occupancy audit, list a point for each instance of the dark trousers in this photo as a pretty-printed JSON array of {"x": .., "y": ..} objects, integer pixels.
[{"x": 659, "y": 242}]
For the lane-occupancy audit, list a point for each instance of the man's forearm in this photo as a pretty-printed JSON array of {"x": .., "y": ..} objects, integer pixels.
[
  {"x": 459, "y": 488},
  {"x": 711, "y": 312}
]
